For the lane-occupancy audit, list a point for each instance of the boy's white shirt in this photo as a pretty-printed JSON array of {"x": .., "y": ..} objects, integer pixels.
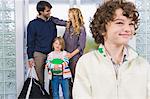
[{"x": 95, "y": 78}]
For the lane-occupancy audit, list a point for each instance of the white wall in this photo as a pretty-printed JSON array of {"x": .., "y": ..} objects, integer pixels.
[{"x": 19, "y": 11}]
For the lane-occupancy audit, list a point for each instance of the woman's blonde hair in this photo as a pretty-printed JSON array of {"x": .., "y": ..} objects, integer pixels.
[
  {"x": 76, "y": 21},
  {"x": 61, "y": 41}
]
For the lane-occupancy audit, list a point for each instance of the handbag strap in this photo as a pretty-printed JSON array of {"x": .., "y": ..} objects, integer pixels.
[
  {"x": 31, "y": 73},
  {"x": 29, "y": 89},
  {"x": 28, "y": 73}
]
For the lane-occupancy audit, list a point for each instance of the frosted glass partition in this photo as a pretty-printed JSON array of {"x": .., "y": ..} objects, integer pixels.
[
  {"x": 143, "y": 33},
  {"x": 7, "y": 50}
]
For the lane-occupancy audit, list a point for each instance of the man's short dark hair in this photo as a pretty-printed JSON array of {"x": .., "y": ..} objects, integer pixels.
[{"x": 41, "y": 6}]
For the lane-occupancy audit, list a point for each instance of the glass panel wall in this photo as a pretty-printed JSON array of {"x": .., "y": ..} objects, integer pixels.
[
  {"x": 143, "y": 33},
  {"x": 7, "y": 50}
]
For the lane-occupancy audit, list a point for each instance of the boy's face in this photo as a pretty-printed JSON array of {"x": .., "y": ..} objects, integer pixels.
[
  {"x": 46, "y": 13},
  {"x": 57, "y": 46},
  {"x": 120, "y": 30}
]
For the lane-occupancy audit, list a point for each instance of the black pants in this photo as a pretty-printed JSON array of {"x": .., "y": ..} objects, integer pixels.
[
  {"x": 70, "y": 88},
  {"x": 50, "y": 90}
]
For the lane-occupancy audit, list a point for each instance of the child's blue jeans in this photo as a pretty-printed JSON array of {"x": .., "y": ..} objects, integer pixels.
[{"x": 56, "y": 81}]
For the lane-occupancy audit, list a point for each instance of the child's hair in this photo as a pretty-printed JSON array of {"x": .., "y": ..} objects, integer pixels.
[
  {"x": 106, "y": 13},
  {"x": 61, "y": 41}
]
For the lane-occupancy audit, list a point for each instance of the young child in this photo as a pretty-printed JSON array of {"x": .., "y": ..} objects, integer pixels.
[{"x": 58, "y": 67}]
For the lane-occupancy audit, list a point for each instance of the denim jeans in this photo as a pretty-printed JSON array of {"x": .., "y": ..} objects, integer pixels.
[{"x": 56, "y": 81}]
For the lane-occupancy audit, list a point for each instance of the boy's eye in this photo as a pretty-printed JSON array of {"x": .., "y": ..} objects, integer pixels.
[
  {"x": 119, "y": 22},
  {"x": 131, "y": 24}
]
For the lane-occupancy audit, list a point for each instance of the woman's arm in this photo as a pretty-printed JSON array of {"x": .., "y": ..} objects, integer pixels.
[
  {"x": 81, "y": 43},
  {"x": 82, "y": 39},
  {"x": 70, "y": 55}
]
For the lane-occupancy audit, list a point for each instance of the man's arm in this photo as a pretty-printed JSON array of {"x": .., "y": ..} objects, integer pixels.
[
  {"x": 58, "y": 21},
  {"x": 81, "y": 43},
  {"x": 30, "y": 44},
  {"x": 30, "y": 40}
]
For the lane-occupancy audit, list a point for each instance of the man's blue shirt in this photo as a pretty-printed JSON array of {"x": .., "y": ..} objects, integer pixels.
[{"x": 40, "y": 35}]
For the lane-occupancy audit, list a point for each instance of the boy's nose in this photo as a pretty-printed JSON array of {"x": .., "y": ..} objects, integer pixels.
[{"x": 127, "y": 28}]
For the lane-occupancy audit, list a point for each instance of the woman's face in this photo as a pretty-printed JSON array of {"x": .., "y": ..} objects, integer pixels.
[
  {"x": 70, "y": 16},
  {"x": 120, "y": 30}
]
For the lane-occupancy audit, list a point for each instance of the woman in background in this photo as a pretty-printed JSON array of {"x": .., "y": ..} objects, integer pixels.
[{"x": 75, "y": 37}]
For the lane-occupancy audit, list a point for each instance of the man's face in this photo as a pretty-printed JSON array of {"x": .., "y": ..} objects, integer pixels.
[{"x": 46, "y": 13}]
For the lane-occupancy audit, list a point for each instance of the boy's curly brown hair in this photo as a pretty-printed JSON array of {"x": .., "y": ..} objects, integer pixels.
[{"x": 106, "y": 13}]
